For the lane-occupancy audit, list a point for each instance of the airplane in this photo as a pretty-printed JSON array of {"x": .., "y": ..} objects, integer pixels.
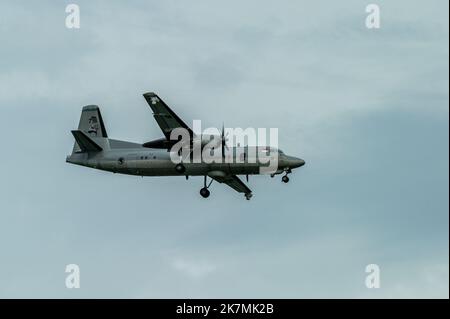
[{"x": 93, "y": 148}]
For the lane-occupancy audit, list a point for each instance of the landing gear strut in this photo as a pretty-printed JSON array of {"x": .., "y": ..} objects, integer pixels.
[{"x": 205, "y": 191}]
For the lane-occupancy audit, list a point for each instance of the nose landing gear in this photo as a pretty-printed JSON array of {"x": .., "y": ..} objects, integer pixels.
[{"x": 285, "y": 178}]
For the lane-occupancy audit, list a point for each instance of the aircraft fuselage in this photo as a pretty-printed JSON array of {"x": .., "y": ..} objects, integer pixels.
[{"x": 158, "y": 162}]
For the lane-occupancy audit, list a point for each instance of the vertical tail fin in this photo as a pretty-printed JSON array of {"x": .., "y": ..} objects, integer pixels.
[{"x": 91, "y": 123}]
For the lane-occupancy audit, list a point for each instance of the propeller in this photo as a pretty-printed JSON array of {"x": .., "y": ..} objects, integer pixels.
[{"x": 224, "y": 139}]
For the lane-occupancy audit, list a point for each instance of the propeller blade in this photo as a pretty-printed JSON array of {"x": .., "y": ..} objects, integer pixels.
[{"x": 223, "y": 140}]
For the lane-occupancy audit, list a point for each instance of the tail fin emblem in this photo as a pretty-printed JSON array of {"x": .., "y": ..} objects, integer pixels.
[{"x": 93, "y": 125}]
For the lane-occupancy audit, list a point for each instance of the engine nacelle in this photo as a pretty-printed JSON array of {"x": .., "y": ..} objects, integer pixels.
[{"x": 216, "y": 140}]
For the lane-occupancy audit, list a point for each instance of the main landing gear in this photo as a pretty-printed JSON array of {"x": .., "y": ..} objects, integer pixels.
[{"x": 205, "y": 191}]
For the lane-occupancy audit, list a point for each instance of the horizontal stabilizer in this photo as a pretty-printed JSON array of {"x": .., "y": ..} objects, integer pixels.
[{"x": 85, "y": 143}]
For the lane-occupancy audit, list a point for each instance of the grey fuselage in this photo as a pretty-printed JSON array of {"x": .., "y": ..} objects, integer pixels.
[{"x": 134, "y": 159}]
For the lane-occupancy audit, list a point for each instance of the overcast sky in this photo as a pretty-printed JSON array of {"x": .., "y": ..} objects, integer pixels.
[{"x": 367, "y": 110}]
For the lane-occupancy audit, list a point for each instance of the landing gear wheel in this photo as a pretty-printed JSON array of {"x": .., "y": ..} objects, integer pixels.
[
  {"x": 285, "y": 179},
  {"x": 204, "y": 192},
  {"x": 180, "y": 168},
  {"x": 248, "y": 196}
]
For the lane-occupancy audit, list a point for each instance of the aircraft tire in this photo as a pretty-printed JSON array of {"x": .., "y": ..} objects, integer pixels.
[{"x": 204, "y": 192}]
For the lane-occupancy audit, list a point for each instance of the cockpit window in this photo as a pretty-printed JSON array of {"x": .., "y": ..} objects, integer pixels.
[{"x": 271, "y": 150}]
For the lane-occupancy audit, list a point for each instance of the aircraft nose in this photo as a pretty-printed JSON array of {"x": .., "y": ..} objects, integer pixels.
[{"x": 295, "y": 162}]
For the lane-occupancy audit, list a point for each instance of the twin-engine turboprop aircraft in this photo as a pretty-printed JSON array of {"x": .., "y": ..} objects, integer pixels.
[{"x": 94, "y": 149}]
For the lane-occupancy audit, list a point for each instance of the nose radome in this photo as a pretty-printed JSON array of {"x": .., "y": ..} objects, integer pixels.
[
  {"x": 296, "y": 162},
  {"x": 301, "y": 162}
]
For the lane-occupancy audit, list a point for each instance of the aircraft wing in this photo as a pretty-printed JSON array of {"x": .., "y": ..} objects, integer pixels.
[
  {"x": 164, "y": 116},
  {"x": 233, "y": 181}
]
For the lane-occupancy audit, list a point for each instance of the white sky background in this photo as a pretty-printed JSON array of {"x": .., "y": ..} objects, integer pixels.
[{"x": 366, "y": 109}]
